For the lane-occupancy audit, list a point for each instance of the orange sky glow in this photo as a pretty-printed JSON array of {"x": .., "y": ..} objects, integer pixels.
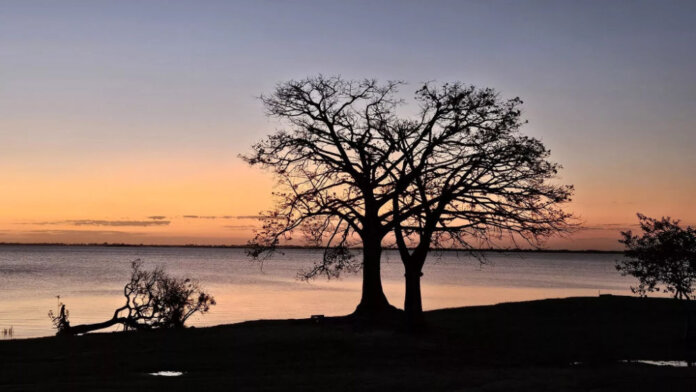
[
  {"x": 121, "y": 121},
  {"x": 197, "y": 201}
]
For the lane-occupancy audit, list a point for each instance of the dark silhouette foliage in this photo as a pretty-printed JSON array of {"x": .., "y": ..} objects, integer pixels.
[
  {"x": 663, "y": 258},
  {"x": 351, "y": 169},
  {"x": 471, "y": 178},
  {"x": 332, "y": 161},
  {"x": 153, "y": 300}
]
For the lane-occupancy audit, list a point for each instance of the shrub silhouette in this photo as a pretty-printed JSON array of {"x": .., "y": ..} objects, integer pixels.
[
  {"x": 153, "y": 300},
  {"x": 663, "y": 258}
]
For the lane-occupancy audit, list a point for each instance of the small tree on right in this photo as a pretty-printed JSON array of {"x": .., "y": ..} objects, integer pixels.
[{"x": 663, "y": 258}]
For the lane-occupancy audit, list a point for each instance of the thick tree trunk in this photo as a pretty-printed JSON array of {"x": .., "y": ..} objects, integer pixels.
[
  {"x": 413, "y": 305},
  {"x": 373, "y": 301}
]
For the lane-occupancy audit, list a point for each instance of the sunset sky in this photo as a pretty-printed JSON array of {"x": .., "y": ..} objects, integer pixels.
[{"x": 123, "y": 121}]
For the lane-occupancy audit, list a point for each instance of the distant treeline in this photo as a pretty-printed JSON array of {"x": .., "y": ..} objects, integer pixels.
[{"x": 115, "y": 244}]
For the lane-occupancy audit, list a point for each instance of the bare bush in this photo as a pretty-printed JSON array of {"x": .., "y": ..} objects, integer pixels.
[{"x": 153, "y": 300}]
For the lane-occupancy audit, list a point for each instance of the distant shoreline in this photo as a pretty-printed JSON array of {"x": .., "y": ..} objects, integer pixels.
[{"x": 288, "y": 247}]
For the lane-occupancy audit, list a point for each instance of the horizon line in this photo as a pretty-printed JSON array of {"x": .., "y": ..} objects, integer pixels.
[{"x": 232, "y": 246}]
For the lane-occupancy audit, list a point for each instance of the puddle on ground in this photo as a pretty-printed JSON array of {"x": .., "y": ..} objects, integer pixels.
[
  {"x": 167, "y": 373},
  {"x": 646, "y": 362},
  {"x": 658, "y": 363}
]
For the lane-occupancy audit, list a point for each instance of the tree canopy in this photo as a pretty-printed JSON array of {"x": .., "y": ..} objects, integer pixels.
[
  {"x": 471, "y": 177},
  {"x": 333, "y": 161},
  {"x": 352, "y": 170},
  {"x": 663, "y": 257}
]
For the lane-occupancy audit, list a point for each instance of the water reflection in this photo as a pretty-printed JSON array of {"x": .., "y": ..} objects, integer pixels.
[{"x": 90, "y": 281}]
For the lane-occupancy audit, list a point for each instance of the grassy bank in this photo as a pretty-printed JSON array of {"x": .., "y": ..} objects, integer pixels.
[{"x": 526, "y": 346}]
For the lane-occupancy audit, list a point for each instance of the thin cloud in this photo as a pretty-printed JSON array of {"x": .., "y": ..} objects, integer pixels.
[
  {"x": 611, "y": 226},
  {"x": 157, "y": 217},
  {"x": 208, "y": 217},
  {"x": 223, "y": 216},
  {"x": 99, "y": 222},
  {"x": 96, "y": 232},
  {"x": 240, "y": 227},
  {"x": 91, "y": 222}
]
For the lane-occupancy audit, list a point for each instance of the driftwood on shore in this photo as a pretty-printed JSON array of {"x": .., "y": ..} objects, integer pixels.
[{"x": 153, "y": 300}]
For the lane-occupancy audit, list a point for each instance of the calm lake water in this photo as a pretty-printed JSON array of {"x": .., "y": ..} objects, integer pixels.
[{"x": 90, "y": 281}]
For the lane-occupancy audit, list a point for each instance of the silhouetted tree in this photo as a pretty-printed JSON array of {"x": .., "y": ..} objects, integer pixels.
[
  {"x": 332, "y": 162},
  {"x": 350, "y": 167},
  {"x": 471, "y": 177},
  {"x": 662, "y": 258},
  {"x": 153, "y": 300}
]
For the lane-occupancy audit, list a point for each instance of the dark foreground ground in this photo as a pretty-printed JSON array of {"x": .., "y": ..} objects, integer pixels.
[{"x": 527, "y": 346}]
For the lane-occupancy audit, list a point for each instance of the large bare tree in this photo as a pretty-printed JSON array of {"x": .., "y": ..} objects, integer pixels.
[
  {"x": 349, "y": 168},
  {"x": 472, "y": 178},
  {"x": 333, "y": 161}
]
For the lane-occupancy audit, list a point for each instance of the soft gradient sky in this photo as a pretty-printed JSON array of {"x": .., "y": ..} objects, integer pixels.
[{"x": 114, "y": 112}]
